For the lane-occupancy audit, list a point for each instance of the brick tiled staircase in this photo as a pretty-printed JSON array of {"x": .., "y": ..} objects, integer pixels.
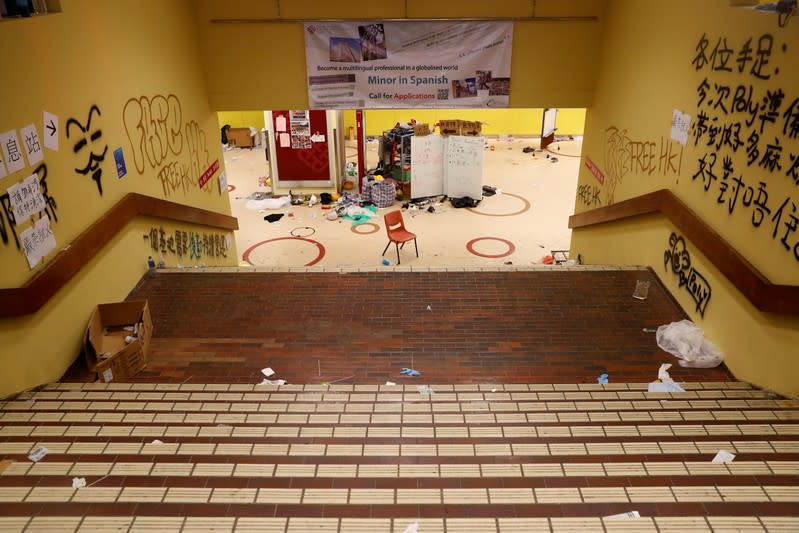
[{"x": 516, "y": 437}]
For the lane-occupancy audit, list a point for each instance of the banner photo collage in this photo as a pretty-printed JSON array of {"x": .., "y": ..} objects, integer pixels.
[{"x": 407, "y": 64}]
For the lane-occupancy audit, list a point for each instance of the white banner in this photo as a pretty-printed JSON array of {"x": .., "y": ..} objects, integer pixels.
[{"x": 366, "y": 65}]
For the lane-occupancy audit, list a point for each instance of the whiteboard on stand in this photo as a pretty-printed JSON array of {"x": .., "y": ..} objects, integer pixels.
[
  {"x": 463, "y": 167},
  {"x": 427, "y": 166}
]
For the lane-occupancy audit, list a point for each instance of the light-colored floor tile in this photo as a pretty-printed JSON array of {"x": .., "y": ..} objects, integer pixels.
[
  {"x": 542, "y": 469},
  {"x": 187, "y": 495},
  {"x": 559, "y": 495},
  {"x": 511, "y": 496},
  {"x": 203, "y": 524},
  {"x": 583, "y": 525},
  {"x": 142, "y": 494},
  {"x": 650, "y": 494},
  {"x": 417, "y": 496},
  {"x": 229, "y": 495},
  {"x": 96, "y": 494},
  {"x": 53, "y": 524},
  {"x": 213, "y": 469},
  {"x": 337, "y": 470},
  {"x": 471, "y": 525},
  {"x": 160, "y": 524},
  {"x": 13, "y": 494},
  {"x": 524, "y": 525},
  {"x": 317, "y": 525},
  {"x": 105, "y": 524},
  {"x": 281, "y": 495},
  {"x": 371, "y": 496},
  {"x": 295, "y": 470},
  {"x": 365, "y": 525},
  {"x": 50, "y": 494},
  {"x": 246, "y": 524},
  {"x": 682, "y": 524}
]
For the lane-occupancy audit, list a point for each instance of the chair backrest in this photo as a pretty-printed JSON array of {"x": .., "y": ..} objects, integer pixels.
[{"x": 394, "y": 221}]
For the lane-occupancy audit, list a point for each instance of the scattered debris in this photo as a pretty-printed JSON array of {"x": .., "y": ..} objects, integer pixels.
[
  {"x": 602, "y": 379},
  {"x": 272, "y": 382},
  {"x": 723, "y": 457},
  {"x": 267, "y": 372},
  {"x": 157, "y": 442},
  {"x": 493, "y": 390},
  {"x": 386, "y": 261},
  {"x": 341, "y": 379},
  {"x": 38, "y": 454},
  {"x": 413, "y": 527},
  {"x": 5, "y": 463},
  {"x": 78, "y": 482},
  {"x": 649, "y": 330},
  {"x": 628, "y": 514},
  {"x": 410, "y": 372},
  {"x": 274, "y": 217},
  {"x": 425, "y": 389},
  {"x": 687, "y": 341},
  {"x": 429, "y": 308},
  {"x": 641, "y": 290},
  {"x": 665, "y": 387},
  {"x": 391, "y": 383}
]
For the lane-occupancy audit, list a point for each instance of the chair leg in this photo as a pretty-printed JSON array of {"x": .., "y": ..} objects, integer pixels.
[
  {"x": 398, "y": 257},
  {"x": 386, "y": 248},
  {"x": 417, "y": 247}
]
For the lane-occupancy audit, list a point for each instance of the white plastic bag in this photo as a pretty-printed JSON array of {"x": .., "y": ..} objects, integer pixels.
[{"x": 687, "y": 342}]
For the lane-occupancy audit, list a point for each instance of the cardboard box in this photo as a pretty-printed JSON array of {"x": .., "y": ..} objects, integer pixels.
[
  {"x": 105, "y": 348},
  {"x": 421, "y": 129},
  {"x": 449, "y": 127},
  {"x": 466, "y": 128}
]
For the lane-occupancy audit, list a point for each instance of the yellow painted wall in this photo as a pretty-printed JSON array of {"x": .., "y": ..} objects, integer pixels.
[
  {"x": 108, "y": 55},
  {"x": 262, "y": 65},
  {"x": 241, "y": 119},
  {"x": 650, "y": 66}
]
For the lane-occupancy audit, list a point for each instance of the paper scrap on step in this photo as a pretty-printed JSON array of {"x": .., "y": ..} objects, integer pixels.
[
  {"x": 665, "y": 387},
  {"x": 273, "y": 382},
  {"x": 663, "y": 373},
  {"x": 628, "y": 514},
  {"x": 38, "y": 454},
  {"x": 267, "y": 372},
  {"x": 425, "y": 389},
  {"x": 723, "y": 457},
  {"x": 390, "y": 383},
  {"x": 78, "y": 482},
  {"x": 413, "y": 527},
  {"x": 157, "y": 442}
]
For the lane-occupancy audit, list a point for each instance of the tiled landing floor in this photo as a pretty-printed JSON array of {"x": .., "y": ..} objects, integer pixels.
[{"x": 546, "y": 326}]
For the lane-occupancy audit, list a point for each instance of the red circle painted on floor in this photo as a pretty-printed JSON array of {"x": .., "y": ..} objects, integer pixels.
[
  {"x": 246, "y": 255},
  {"x": 375, "y": 228},
  {"x": 470, "y": 247},
  {"x": 231, "y": 187},
  {"x": 524, "y": 208}
]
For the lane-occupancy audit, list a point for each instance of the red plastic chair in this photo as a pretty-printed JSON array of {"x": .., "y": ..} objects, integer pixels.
[{"x": 395, "y": 227}]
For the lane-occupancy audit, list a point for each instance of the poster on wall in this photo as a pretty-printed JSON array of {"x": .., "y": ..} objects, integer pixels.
[
  {"x": 406, "y": 64},
  {"x": 300, "y": 124}
]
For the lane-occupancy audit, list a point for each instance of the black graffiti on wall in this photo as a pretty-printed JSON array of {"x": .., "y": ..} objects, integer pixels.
[
  {"x": 589, "y": 195},
  {"x": 761, "y": 123},
  {"x": 83, "y": 137},
  {"x": 640, "y": 157},
  {"x": 8, "y": 223},
  {"x": 189, "y": 245},
  {"x": 677, "y": 256}
]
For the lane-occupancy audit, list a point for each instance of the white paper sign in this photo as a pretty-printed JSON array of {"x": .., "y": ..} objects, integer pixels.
[
  {"x": 222, "y": 182},
  {"x": 30, "y": 140},
  {"x": 463, "y": 167},
  {"x": 50, "y": 131},
  {"x": 317, "y": 138},
  {"x": 26, "y": 199},
  {"x": 285, "y": 140},
  {"x": 12, "y": 151},
  {"x": 680, "y": 125},
  {"x": 405, "y": 64},
  {"x": 723, "y": 457},
  {"x": 2, "y": 167},
  {"x": 280, "y": 123},
  {"x": 38, "y": 241},
  {"x": 427, "y": 164}
]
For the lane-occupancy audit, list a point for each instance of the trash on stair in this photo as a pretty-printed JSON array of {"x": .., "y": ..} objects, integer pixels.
[
  {"x": 665, "y": 387},
  {"x": 686, "y": 341},
  {"x": 267, "y": 372},
  {"x": 274, "y": 217},
  {"x": 268, "y": 203},
  {"x": 391, "y": 383},
  {"x": 723, "y": 457},
  {"x": 38, "y": 454},
  {"x": 602, "y": 379},
  {"x": 641, "y": 289},
  {"x": 108, "y": 349},
  {"x": 157, "y": 442},
  {"x": 429, "y": 308},
  {"x": 5, "y": 464},
  {"x": 425, "y": 389},
  {"x": 649, "y": 330},
  {"x": 628, "y": 514},
  {"x": 78, "y": 482},
  {"x": 272, "y": 382},
  {"x": 410, "y": 372},
  {"x": 413, "y": 527}
]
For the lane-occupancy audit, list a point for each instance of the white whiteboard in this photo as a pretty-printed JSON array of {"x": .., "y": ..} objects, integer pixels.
[
  {"x": 463, "y": 167},
  {"x": 427, "y": 166},
  {"x": 550, "y": 117}
]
